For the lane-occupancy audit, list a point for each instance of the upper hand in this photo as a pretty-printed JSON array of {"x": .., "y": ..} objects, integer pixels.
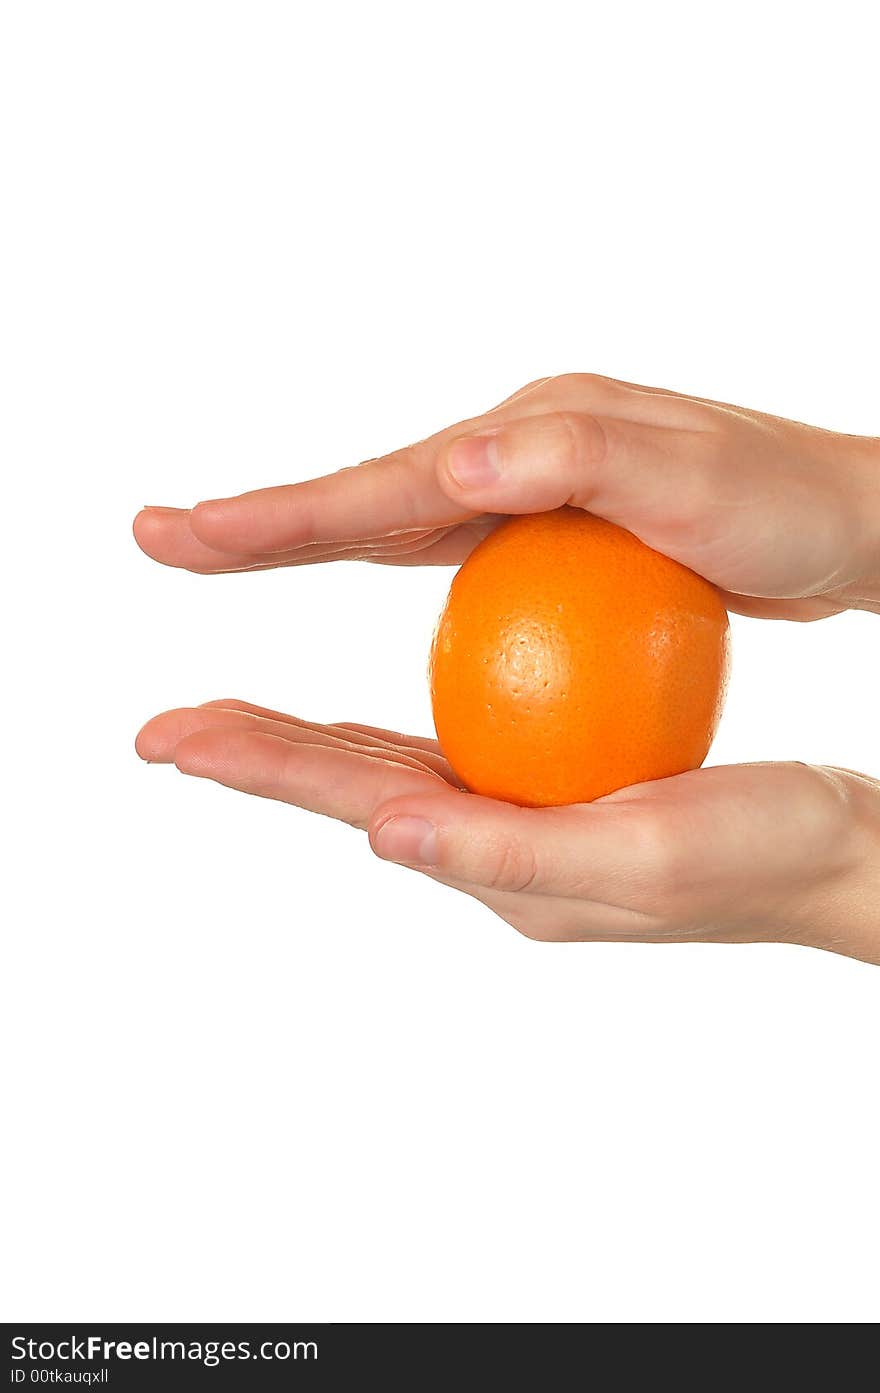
[{"x": 782, "y": 517}]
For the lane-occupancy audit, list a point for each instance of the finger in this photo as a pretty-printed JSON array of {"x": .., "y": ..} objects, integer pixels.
[
  {"x": 375, "y": 499},
  {"x": 449, "y": 547},
  {"x": 371, "y": 734},
  {"x": 322, "y": 778},
  {"x": 367, "y": 735},
  {"x": 428, "y": 751},
  {"x": 165, "y": 535},
  {"x": 392, "y": 494},
  {"x": 578, "y": 851},
  {"x": 417, "y": 742},
  {"x": 389, "y": 496},
  {"x": 159, "y": 738}
]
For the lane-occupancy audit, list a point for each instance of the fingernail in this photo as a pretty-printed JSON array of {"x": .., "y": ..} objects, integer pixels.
[
  {"x": 411, "y": 839},
  {"x": 473, "y": 461}
]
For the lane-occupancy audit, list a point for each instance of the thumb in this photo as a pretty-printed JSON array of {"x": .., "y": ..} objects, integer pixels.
[
  {"x": 622, "y": 470},
  {"x": 573, "y": 851}
]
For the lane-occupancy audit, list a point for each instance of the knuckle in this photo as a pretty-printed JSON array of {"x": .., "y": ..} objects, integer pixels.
[
  {"x": 581, "y": 439},
  {"x": 559, "y": 439},
  {"x": 513, "y": 867},
  {"x": 583, "y": 381},
  {"x": 404, "y": 472}
]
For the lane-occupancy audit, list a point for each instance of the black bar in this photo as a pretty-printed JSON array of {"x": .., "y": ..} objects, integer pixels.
[{"x": 140, "y": 1355}]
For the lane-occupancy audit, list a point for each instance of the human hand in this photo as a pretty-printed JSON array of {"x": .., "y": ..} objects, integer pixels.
[
  {"x": 784, "y": 518},
  {"x": 745, "y": 853}
]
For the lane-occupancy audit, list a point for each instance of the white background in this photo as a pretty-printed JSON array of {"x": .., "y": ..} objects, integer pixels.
[{"x": 249, "y": 1071}]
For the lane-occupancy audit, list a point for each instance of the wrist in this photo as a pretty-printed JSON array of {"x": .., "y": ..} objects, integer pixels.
[
  {"x": 843, "y": 912},
  {"x": 863, "y": 592}
]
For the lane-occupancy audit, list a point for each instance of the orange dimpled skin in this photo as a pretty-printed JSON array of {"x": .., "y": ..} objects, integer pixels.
[{"x": 571, "y": 660}]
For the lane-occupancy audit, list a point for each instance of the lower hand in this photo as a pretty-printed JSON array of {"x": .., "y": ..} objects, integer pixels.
[{"x": 745, "y": 853}]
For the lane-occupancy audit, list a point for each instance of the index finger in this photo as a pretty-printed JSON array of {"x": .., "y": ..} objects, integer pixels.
[{"x": 393, "y": 493}]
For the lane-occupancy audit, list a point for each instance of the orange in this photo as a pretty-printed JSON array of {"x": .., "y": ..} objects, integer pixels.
[{"x": 571, "y": 660}]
